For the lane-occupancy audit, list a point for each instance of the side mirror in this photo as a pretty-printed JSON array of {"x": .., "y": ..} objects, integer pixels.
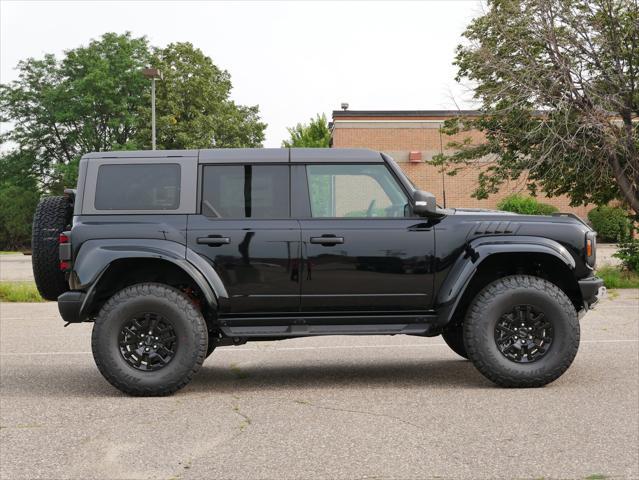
[{"x": 424, "y": 203}]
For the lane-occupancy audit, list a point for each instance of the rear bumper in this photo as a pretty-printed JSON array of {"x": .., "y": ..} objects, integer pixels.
[
  {"x": 70, "y": 306},
  {"x": 592, "y": 289}
]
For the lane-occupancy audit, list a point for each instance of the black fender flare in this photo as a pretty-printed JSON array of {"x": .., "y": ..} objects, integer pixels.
[
  {"x": 95, "y": 257},
  {"x": 478, "y": 250}
]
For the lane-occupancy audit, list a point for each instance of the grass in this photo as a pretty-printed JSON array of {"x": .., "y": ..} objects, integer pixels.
[
  {"x": 5, "y": 252},
  {"x": 614, "y": 277},
  {"x": 19, "y": 292}
]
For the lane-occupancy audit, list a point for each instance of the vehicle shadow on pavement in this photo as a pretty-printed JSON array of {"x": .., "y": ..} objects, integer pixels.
[
  {"x": 51, "y": 381},
  {"x": 383, "y": 373}
]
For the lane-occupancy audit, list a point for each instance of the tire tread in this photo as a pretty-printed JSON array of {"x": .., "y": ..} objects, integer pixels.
[
  {"x": 479, "y": 305},
  {"x": 193, "y": 316},
  {"x": 51, "y": 217}
]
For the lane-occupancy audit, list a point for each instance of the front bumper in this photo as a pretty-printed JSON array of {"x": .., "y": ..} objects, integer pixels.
[{"x": 592, "y": 289}]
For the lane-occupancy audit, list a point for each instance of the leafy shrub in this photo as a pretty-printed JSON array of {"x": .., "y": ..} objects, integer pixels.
[
  {"x": 628, "y": 253},
  {"x": 615, "y": 277},
  {"x": 612, "y": 224},
  {"x": 525, "y": 205}
]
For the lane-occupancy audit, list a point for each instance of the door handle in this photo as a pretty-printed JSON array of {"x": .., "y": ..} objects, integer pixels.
[
  {"x": 214, "y": 241},
  {"x": 327, "y": 240}
]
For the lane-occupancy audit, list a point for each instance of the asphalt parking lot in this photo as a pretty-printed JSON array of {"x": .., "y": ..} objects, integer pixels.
[{"x": 332, "y": 407}]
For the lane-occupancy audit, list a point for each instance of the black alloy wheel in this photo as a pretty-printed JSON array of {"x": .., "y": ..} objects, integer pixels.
[
  {"x": 524, "y": 334},
  {"x": 521, "y": 331},
  {"x": 147, "y": 341}
]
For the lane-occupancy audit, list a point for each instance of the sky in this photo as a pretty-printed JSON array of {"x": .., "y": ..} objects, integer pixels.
[{"x": 293, "y": 59}]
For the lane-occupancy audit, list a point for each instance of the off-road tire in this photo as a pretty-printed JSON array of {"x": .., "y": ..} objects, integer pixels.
[
  {"x": 453, "y": 335},
  {"x": 51, "y": 218},
  {"x": 187, "y": 322},
  {"x": 494, "y": 301}
]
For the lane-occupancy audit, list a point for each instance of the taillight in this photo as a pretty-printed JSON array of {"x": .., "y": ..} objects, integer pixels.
[{"x": 64, "y": 246}]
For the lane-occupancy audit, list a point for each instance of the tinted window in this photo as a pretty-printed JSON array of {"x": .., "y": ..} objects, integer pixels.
[
  {"x": 246, "y": 191},
  {"x": 138, "y": 187},
  {"x": 354, "y": 191}
]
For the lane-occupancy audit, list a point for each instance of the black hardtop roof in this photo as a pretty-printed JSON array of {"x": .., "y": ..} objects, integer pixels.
[{"x": 259, "y": 155}]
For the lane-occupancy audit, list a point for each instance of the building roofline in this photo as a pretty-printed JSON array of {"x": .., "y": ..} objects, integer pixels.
[{"x": 403, "y": 113}]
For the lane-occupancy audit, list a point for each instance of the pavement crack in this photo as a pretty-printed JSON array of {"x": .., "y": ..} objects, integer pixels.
[
  {"x": 246, "y": 420},
  {"x": 361, "y": 412}
]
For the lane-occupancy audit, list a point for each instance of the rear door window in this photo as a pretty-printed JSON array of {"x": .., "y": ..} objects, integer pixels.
[
  {"x": 138, "y": 187},
  {"x": 246, "y": 191}
]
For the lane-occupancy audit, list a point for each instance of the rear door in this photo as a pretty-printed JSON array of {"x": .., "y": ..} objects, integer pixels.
[
  {"x": 362, "y": 249},
  {"x": 244, "y": 231}
]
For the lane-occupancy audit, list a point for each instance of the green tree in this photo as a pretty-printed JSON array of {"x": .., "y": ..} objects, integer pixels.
[
  {"x": 315, "y": 134},
  {"x": 19, "y": 194},
  {"x": 95, "y": 98},
  {"x": 557, "y": 81},
  {"x": 87, "y": 101},
  {"x": 194, "y": 109}
]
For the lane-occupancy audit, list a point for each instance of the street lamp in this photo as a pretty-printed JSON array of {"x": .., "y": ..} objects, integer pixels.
[{"x": 154, "y": 74}]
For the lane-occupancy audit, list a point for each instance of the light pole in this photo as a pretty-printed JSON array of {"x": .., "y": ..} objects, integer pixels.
[{"x": 154, "y": 74}]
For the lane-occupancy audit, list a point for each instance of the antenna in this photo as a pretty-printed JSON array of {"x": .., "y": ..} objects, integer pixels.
[
  {"x": 441, "y": 151},
  {"x": 344, "y": 106}
]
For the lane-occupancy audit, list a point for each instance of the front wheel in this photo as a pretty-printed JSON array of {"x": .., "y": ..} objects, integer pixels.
[
  {"x": 521, "y": 331},
  {"x": 149, "y": 340}
]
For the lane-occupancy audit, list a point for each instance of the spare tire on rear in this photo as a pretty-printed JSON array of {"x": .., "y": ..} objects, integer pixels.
[{"x": 51, "y": 218}]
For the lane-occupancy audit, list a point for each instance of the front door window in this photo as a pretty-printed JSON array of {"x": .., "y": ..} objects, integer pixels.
[{"x": 355, "y": 191}]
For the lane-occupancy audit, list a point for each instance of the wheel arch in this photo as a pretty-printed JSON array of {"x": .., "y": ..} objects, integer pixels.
[
  {"x": 104, "y": 267},
  {"x": 487, "y": 259}
]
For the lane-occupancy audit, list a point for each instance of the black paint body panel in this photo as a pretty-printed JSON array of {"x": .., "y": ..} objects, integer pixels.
[{"x": 399, "y": 272}]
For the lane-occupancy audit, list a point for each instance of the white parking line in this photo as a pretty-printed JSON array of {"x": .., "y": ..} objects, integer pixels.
[{"x": 291, "y": 349}]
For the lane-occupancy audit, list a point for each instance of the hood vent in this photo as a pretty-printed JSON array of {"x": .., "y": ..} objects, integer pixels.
[{"x": 494, "y": 228}]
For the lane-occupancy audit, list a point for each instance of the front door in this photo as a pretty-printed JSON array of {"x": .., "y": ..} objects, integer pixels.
[
  {"x": 362, "y": 248},
  {"x": 246, "y": 234}
]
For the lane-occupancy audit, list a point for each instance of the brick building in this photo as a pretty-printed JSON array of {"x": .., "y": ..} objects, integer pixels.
[{"x": 412, "y": 137}]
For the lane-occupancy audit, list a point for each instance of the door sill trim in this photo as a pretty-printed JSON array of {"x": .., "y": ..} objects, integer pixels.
[{"x": 330, "y": 325}]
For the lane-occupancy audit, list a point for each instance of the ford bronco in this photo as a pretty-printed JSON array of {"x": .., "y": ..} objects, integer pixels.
[{"x": 173, "y": 253}]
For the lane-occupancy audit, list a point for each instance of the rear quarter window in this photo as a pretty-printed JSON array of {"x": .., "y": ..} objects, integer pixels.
[{"x": 138, "y": 187}]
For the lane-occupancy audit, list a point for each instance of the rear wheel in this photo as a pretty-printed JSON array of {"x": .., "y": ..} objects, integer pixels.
[
  {"x": 51, "y": 218},
  {"x": 521, "y": 331},
  {"x": 149, "y": 340}
]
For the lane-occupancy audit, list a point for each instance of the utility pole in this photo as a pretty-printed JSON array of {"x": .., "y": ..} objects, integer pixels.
[{"x": 154, "y": 74}]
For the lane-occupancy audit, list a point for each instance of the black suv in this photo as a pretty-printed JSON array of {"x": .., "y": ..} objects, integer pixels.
[{"x": 174, "y": 253}]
